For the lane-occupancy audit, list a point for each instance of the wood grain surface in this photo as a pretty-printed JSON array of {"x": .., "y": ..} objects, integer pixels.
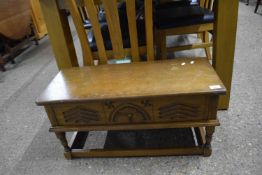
[
  {"x": 140, "y": 79},
  {"x": 15, "y": 18}
]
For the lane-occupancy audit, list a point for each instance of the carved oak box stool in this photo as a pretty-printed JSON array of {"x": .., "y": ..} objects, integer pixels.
[{"x": 180, "y": 93}]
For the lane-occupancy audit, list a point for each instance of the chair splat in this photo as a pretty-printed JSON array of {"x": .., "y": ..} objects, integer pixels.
[
  {"x": 87, "y": 54},
  {"x": 91, "y": 8},
  {"x": 121, "y": 33}
]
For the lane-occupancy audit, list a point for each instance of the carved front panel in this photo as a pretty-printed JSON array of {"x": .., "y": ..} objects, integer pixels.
[
  {"x": 181, "y": 108},
  {"x": 80, "y": 114},
  {"x": 133, "y": 111}
]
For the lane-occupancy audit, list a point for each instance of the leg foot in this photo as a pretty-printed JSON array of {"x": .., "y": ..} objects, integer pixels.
[
  {"x": 2, "y": 68},
  {"x": 36, "y": 42},
  {"x": 12, "y": 61},
  {"x": 61, "y": 136},
  {"x": 207, "y": 147}
]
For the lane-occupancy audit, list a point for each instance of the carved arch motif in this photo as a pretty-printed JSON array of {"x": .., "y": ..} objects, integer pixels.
[{"x": 130, "y": 112}]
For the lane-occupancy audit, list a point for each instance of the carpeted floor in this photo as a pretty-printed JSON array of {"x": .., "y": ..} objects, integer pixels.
[{"x": 26, "y": 146}]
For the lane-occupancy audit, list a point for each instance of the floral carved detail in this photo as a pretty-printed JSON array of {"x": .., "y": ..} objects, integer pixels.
[
  {"x": 146, "y": 103},
  {"x": 81, "y": 115},
  {"x": 129, "y": 112},
  {"x": 109, "y": 104},
  {"x": 179, "y": 111}
]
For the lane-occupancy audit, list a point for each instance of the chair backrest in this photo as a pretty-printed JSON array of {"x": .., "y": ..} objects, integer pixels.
[
  {"x": 208, "y": 4},
  {"x": 83, "y": 13},
  {"x": 113, "y": 22}
]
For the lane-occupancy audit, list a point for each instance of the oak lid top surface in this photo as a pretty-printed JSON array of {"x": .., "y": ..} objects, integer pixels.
[{"x": 140, "y": 79}]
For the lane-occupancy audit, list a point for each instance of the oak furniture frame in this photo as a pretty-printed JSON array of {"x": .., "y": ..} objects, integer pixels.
[
  {"x": 143, "y": 95},
  {"x": 37, "y": 20},
  {"x": 201, "y": 29},
  {"x": 181, "y": 93},
  {"x": 113, "y": 23},
  {"x": 223, "y": 41}
]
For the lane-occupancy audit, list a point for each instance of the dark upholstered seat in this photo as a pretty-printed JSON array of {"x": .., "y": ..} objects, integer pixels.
[
  {"x": 172, "y": 4},
  {"x": 180, "y": 18},
  {"x": 101, "y": 18},
  {"x": 166, "y": 18},
  {"x": 124, "y": 29},
  {"x": 125, "y": 36}
]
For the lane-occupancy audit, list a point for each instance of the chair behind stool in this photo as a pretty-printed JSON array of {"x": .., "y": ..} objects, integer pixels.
[
  {"x": 258, "y": 3},
  {"x": 201, "y": 29},
  {"x": 112, "y": 17},
  {"x": 208, "y": 4}
]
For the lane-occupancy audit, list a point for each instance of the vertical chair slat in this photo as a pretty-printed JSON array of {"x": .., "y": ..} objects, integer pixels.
[
  {"x": 81, "y": 3},
  {"x": 149, "y": 29},
  {"x": 132, "y": 26},
  {"x": 208, "y": 4},
  {"x": 202, "y": 3},
  {"x": 87, "y": 54},
  {"x": 92, "y": 11},
  {"x": 113, "y": 23},
  {"x": 210, "y": 7},
  {"x": 82, "y": 13},
  {"x": 85, "y": 12}
]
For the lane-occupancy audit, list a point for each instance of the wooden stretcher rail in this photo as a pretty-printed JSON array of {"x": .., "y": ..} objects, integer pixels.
[
  {"x": 135, "y": 127},
  {"x": 134, "y": 152},
  {"x": 79, "y": 139}
]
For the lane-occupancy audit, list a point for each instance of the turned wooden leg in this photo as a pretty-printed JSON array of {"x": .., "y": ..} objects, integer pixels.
[
  {"x": 207, "y": 147},
  {"x": 62, "y": 137},
  {"x": 158, "y": 45}
]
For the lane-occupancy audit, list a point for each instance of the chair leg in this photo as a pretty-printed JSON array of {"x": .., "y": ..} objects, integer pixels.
[
  {"x": 207, "y": 49},
  {"x": 258, "y": 3},
  {"x": 199, "y": 36},
  {"x": 2, "y": 64},
  {"x": 207, "y": 147},
  {"x": 62, "y": 137},
  {"x": 158, "y": 45},
  {"x": 247, "y": 2},
  {"x": 2, "y": 68},
  {"x": 161, "y": 45}
]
